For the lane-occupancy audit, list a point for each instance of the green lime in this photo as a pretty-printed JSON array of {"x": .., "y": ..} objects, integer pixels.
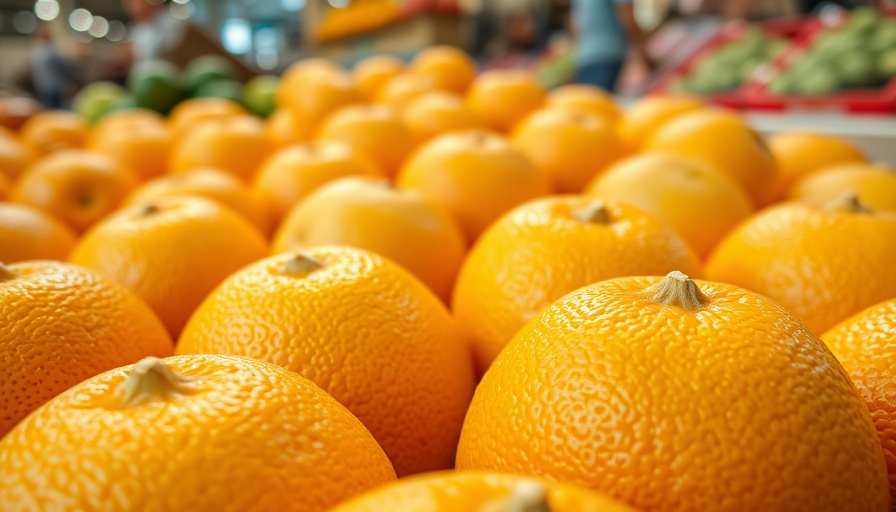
[{"x": 156, "y": 85}]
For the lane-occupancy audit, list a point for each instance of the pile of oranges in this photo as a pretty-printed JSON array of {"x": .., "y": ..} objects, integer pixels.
[{"x": 509, "y": 299}]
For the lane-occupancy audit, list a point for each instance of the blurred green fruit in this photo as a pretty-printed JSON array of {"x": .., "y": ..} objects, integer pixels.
[
  {"x": 227, "y": 89},
  {"x": 857, "y": 70},
  {"x": 126, "y": 102},
  {"x": 818, "y": 82},
  {"x": 884, "y": 37},
  {"x": 207, "y": 69},
  {"x": 92, "y": 101},
  {"x": 886, "y": 64},
  {"x": 260, "y": 95},
  {"x": 156, "y": 85},
  {"x": 863, "y": 19}
]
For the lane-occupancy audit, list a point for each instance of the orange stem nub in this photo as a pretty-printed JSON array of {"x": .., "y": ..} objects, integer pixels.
[
  {"x": 151, "y": 379},
  {"x": 677, "y": 289}
]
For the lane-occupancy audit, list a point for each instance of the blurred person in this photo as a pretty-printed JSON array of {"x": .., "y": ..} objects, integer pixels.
[
  {"x": 55, "y": 77},
  {"x": 605, "y": 31},
  {"x": 156, "y": 31}
]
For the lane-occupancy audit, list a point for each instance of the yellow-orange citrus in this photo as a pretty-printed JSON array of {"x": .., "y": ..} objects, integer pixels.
[
  {"x": 171, "y": 252},
  {"x": 824, "y": 263},
  {"x": 369, "y": 213},
  {"x": 875, "y": 184},
  {"x": 161, "y": 434},
  {"x": 360, "y": 327},
  {"x": 236, "y": 145},
  {"x": 30, "y": 234},
  {"x": 570, "y": 146},
  {"x": 374, "y": 130},
  {"x": 544, "y": 249},
  {"x": 63, "y": 324},
  {"x": 475, "y": 175},
  {"x": 504, "y": 97},
  {"x": 639, "y": 121},
  {"x": 439, "y": 112},
  {"x": 450, "y": 68},
  {"x": 371, "y": 73},
  {"x": 677, "y": 395}
]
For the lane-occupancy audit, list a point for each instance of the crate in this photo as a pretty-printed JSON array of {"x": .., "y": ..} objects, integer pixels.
[
  {"x": 789, "y": 28},
  {"x": 756, "y": 96}
]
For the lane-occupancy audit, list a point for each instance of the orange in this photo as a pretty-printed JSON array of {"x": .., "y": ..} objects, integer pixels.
[
  {"x": 4, "y": 186},
  {"x": 317, "y": 95},
  {"x": 475, "y": 175},
  {"x": 299, "y": 71},
  {"x": 167, "y": 434},
  {"x": 672, "y": 394},
  {"x": 283, "y": 129},
  {"x": 875, "y": 184},
  {"x": 374, "y": 130},
  {"x": 400, "y": 90},
  {"x": 371, "y": 73},
  {"x": 76, "y": 186},
  {"x": 452, "y": 491},
  {"x": 292, "y": 173},
  {"x": 61, "y": 325},
  {"x": 15, "y": 157},
  {"x": 116, "y": 121},
  {"x": 585, "y": 98},
  {"x": 361, "y": 328},
  {"x": 701, "y": 203},
  {"x": 824, "y": 263},
  {"x": 502, "y": 98},
  {"x": 171, "y": 252},
  {"x": 439, "y": 112},
  {"x": 725, "y": 142},
  {"x": 450, "y": 68},
  {"x": 638, "y": 122},
  {"x": 236, "y": 145},
  {"x": 142, "y": 146},
  {"x": 569, "y": 146},
  {"x": 800, "y": 154},
  {"x": 210, "y": 184},
  {"x": 543, "y": 250},
  {"x": 190, "y": 113},
  {"x": 866, "y": 346},
  {"x": 30, "y": 234},
  {"x": 369, "y": 213},
  {"x": 54, "y": 130}
]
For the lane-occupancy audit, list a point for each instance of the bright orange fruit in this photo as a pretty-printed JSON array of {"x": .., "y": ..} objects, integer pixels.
[
  {"x": 293, "y": 173},
  {"x": 400, "y": 90},
  {"x": 142, "y": 146},
  {"x": 283, "y": 128},
  {"x": 569, "y": 146},
  {"x": 724, "y": 141},
  {"x": 585, "y": 98},
  {"x": 475, "y": 175},
  {"x": 371, "y": 73},
  {"x": 451, "y": 491},
  {"x": 54, "y": 130},
  {"x": 436, "y": 113},
  {"x": 317, "y": 95},
  {"x": 866, "y": 346},
  {"x": 638, "y": 122},
  {"x": 369, "y": 213},
  {"x": 374, "y": 130},
  {"x": 503, "y": 98},
  {"x": 30, "y": 234},
  {"x": 360, "y": 327},
  {"x": 76, "y": 186},
  {"x": 701, "y": 203},
  {"x": 671, "y": 394},
  {"x": 236, "y": 145},
  {"x": 824, "y": 263},
  {"x": 63, "y": 324},
  {"x": 450, "y": 68},
  {"x": 800, "y": 154},
  {"x": 171, "y": 252},
  {"x": 190, "y": 113},
  {"x": 875, "y": 184},
  {"x": 544, "y": 249},
  {"x": 186, "y": 420},
  {"x": 211, "y": 184},
  {"x": 15, "y": 157}
]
